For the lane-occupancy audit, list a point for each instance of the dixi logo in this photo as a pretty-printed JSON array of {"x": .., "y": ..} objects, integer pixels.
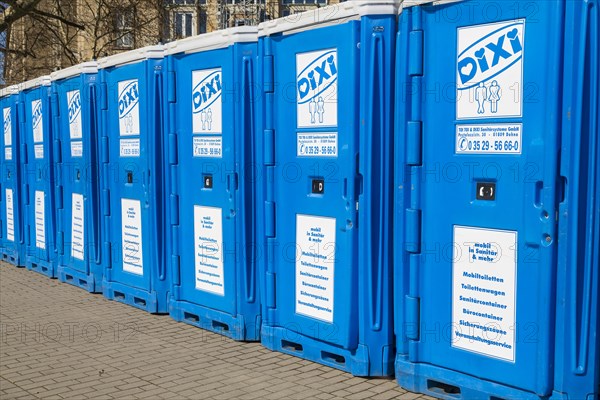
[
  {"x": 490, "y": 55},
  {"x": 128, "y": 98},
  {"x": 206, "y": 92},
  {"x": 317, "y": 77},
  {"x": 74, "y": 106},
  {"x": 7, "y": 122},
  {"x": 37, "y": 114}
]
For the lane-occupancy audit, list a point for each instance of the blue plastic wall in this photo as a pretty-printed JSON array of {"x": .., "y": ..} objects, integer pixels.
[
  {"x": 325, "y": 143},
  {"x": 212, "y": 200},
  {"x": 39, "y": 182},
  {"x": 133, "y": 185},
  {"x": 496, "y": 277},
  {"x": 11, "y": 196},
  {"x": 79, "y": 196}
]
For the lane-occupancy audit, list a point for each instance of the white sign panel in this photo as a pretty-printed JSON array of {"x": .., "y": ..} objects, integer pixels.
[
  {"x": 77, "y": 148},
  {"x": 7, "y": 127},
  {"x": 37, "y": 123},
  {"x": 317, "y": 144},
  {"x": 315, "y": 261},
  {"x": 10, "y": 216},
  {"x": 129, "y": 108},
  {"x": 8, "y": 153},
  {"x": 38, "y": 150},
  {"x": 74, "y": 107},
  {"x": 488, "y": 139},
  {"x": 129, "y": 148},
  {"x": 207, "y": 101},
  {"x": 131, "y": 236},
  {"x": 207, "y": 146},
  {"x": 489, "y": 70},
  {"x": 316, "y": 89},
  {"x": 40, "y": 220},
  {"x": 484, "y": 291},
  {"x": 78, "y": 227},
  {"x": 208, "y": 244}
]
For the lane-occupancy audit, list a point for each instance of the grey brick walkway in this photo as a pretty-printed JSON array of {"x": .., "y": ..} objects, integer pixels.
[{"x": 57, "y": 341}]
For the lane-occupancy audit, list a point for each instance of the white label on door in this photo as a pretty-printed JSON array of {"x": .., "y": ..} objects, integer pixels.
[
  {"x": 10, "y": 216},
  {"x": 131, "y": 232},
  {"x": 129, "y": 108},
  {"x": 208, "y": 244},
  {"x": 488, "y": 139},
  {"x": 37, "y": 123},
  {"x": 489, "y": 70},
  {"x": 207, "y": 146},
  {"x": 8, "y": 153},
  {"x": 129, "y": 148},
  {"x": 7, "y": 126},
  {"x": 74, "y": 102},
  {"x": 484, "y": 291},
  {"x": 316, "y": 89},
  {"x": 38, "y": 150},
  {"x": 317, "y": 145},
  {"x": 77, "y": 149},
  {"x": 207, "y": 101},
  {"x": 315, "y": 260},
  {"x": 78, "y": 227},
  {"x": 40, "y": 220}
]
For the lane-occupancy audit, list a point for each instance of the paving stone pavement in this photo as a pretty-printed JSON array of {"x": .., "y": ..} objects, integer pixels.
[{"x": 60, "y": 342}]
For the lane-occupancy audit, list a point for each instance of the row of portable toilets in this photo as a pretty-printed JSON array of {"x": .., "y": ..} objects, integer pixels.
[{"x": 379, "y": 187}]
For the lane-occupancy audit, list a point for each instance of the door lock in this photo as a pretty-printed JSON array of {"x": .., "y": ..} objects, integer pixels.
[
  {"x": 486, "y": 191},
  {"x": 208, "y": 181},
  {"x": 318, "y": 186}
]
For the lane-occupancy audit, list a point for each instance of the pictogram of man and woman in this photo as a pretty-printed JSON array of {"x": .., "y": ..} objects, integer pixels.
[
  {"x": 491, "y": 94},
  {"x": 316, "y": 108}
]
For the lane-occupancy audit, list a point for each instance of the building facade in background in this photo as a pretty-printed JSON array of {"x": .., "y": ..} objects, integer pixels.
[{"x": 84, "y": 30}]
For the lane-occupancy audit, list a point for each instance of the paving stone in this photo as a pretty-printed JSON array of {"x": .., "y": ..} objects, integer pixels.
[{"x": 60, "y": 342}]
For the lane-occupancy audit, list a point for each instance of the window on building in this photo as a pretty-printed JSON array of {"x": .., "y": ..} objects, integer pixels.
[
  {"x": 184, "y": 24},
  {"x": 304, "y": 1},
  {"x": 124, "y": 37}
]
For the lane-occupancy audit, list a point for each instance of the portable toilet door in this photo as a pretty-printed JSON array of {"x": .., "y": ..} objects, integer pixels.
[
  {"x": 13, "y": 241},
  {"x": 211, "y": 160},
  {"x": 75, "y": 92},
  {"x": 38, "y": 177},
  {"x": 131, "y": 148},
  {"x": 478, "y": 190},
  {"x": 326, "y": 144}
]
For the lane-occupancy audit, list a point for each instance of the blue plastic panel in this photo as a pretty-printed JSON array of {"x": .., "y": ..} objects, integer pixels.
[
  {"x": 211, "y": 163},
  {"x": 11, "y": 207},
  {"x": 80, "y": 214},
  {"x": 577, "y": 346},
  {"x": 39, "y": 182},
  {"x": 132, "y": 157},
  {"x": 478, "y": 122},
  {"x": 325, "y": 143}
]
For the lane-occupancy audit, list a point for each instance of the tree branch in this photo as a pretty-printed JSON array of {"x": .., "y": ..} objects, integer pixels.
[
  {"x": 16, "y": 11},
  {"x": 58, "y": 17}
]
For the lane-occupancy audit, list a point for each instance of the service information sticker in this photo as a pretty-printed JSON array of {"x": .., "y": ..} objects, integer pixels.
[
  {"x": 317, "y": 144},
  {"x": 484, "y": 288},
  {"x": 488, "y": 139},
  {"x": 315, "y": 262}
]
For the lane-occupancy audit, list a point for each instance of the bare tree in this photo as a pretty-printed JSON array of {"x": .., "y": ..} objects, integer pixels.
[{"x": 45, "y": 35}]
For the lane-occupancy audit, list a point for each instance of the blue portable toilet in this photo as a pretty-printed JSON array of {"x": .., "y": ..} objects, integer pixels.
[
  {"x": 75, "y": 92},
  {"x": 325, "y": 147},
  {"x": 212, "y": 200},
  {"x": 39, "y": 177},
  {"x": 133, "y": 181},
  {"x": 496, "y": 224},
  {"x": 11, "y": 209}
]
